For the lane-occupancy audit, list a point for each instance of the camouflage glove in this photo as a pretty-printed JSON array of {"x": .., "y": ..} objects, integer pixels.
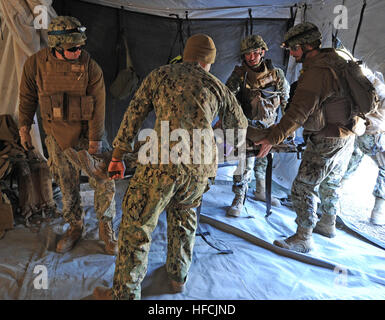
[
  {"x": 116, "y": 168},
  {"x": 25, "y": 138},
  {"x": 95, "y": 147}
]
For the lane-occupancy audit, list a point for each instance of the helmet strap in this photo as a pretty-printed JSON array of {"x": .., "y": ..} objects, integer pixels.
[{"x": 305, "y": 52}]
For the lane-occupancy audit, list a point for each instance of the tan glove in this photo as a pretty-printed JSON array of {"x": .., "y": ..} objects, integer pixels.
[
  {"x": 95, "y": 147},
  {"x": 25, "y": 137}
]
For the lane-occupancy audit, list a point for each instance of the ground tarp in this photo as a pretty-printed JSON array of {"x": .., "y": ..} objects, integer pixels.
[{"x": 345, "y": 267}]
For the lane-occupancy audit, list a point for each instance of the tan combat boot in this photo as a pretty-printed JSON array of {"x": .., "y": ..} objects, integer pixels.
[
  {"x": 102, "y": 293},
  {"x": 378, "y": 213},
  {"x": 260, "y": 193},
  {"x": 70, "y": 237},
  {"x": 326, "y": 226},
  {"x": 107, "y": 234},
  {"x": 301, "y": 241},
  {"x": 237, "y": 205}
]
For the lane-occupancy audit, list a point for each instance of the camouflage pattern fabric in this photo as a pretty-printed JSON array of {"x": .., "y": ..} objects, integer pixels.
[
  {"x": 253, "y": 95},
  {"x": 323, "y": 165},
  {"x": 164, "y": 90},
  {"x": 300, "y": 34},
  {"x": 235, "y": 84},
  {"x": 65, "y": 23},
  {"x": 149, "y": 193},
  {"x": 369, "y": 145},
  {"x": 241, "y": 181},
  {"x": 251, "y": 43},
  {"x": 184, "y": 96},
  {"x": 67, "y": 177}
]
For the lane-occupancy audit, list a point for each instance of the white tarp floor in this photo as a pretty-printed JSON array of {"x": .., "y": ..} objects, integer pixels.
[{"x": 346, "y": 267}]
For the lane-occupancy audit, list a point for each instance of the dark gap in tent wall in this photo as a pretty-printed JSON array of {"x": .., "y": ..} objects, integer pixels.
[{"x": 151, "y": 40}]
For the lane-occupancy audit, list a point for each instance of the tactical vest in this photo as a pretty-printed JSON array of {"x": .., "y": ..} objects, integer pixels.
[
  {"x": 334, "y": 112},
  {"x": 65, "y": 107},
  {"x": 258, "y": 95}
]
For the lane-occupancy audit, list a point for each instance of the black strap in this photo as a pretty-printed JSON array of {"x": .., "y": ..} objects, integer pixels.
[
  {"x": 1, "y": 30},
  {"x": 268, "y": 179},
  {"x": 359, "y": 26},
  {"x": 251, "y": 22},
  {"x": 179, "y": 35},
  {"x": 119, "y": 42},
  {"x": 204, "y": 234},
  {"x": 67, "y": 31},
  {"x": 188, "y": 25}
]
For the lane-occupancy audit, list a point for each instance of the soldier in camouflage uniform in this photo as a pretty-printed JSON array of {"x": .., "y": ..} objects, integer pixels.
[
  {"x": 261, "y": 89},
  {"x": 322, "y": 109},
  {"x": 186, "y": 97},
  {"x": 372, "y": 143},
  {"x": 69, "y": 87}
]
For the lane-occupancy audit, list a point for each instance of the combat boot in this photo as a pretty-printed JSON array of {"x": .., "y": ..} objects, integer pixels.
[
  {"x": 260, "y": 193},
  {"x": 326, "y": 226},
  {"x": 301, "y": 241},
  {"x": 70, "y": 237},
  {"x": 177, "y": 287},
  {"x": 107, "y": 234},
  {"x": 237, "y": 205},
  {"x": 378, "y": 213},
  {"x": 102, "y": 293}
]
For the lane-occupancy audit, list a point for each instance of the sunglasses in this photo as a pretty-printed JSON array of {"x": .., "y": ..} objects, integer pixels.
[{"x": 74, "y": 49}]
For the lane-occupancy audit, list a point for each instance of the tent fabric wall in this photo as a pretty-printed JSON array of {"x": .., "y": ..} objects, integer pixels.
[
  {"x": 20, "y": 41},
  {"x": 227, "y": 30},
  {"x": 320, "y": 12},
  {"x": 151, "y": 42},
  {"x": 224, "y": 9},
  {"x": 370, "y": 46}
]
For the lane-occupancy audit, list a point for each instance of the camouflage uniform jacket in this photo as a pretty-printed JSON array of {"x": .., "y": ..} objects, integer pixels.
[
  {"x": 71, "y": 96},
  {"x": 186, "y": 99},
  {"x": 316, "y": 87},
  {"x": 262, "y": 92}
]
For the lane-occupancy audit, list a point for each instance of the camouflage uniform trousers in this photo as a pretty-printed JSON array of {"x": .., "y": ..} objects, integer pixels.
[
  {"x": 372, "y": 146},
  {"x": 149, "y": 193},
  {"x": 243, "y": 173},
  {"x": 68, "y": 179},
  {"x": 323, "y": 165}
]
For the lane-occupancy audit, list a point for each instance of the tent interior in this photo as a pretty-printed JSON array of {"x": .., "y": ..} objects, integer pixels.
[{"x": 234, "y": 258}]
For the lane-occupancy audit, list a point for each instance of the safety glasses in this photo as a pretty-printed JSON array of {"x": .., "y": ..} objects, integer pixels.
[
  {"x": 74, "y": 49},
  {"x": 293, "y": 48}
]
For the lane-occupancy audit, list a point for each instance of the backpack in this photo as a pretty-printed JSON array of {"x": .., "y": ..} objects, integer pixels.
[{"x": 360, "y": 91}]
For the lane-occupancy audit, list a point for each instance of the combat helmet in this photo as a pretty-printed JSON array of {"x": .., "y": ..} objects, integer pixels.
[
  {"x": 251, "y": 43},
  {"x": 66, "y": 32},
  {"x": 301, "y": 34}
]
